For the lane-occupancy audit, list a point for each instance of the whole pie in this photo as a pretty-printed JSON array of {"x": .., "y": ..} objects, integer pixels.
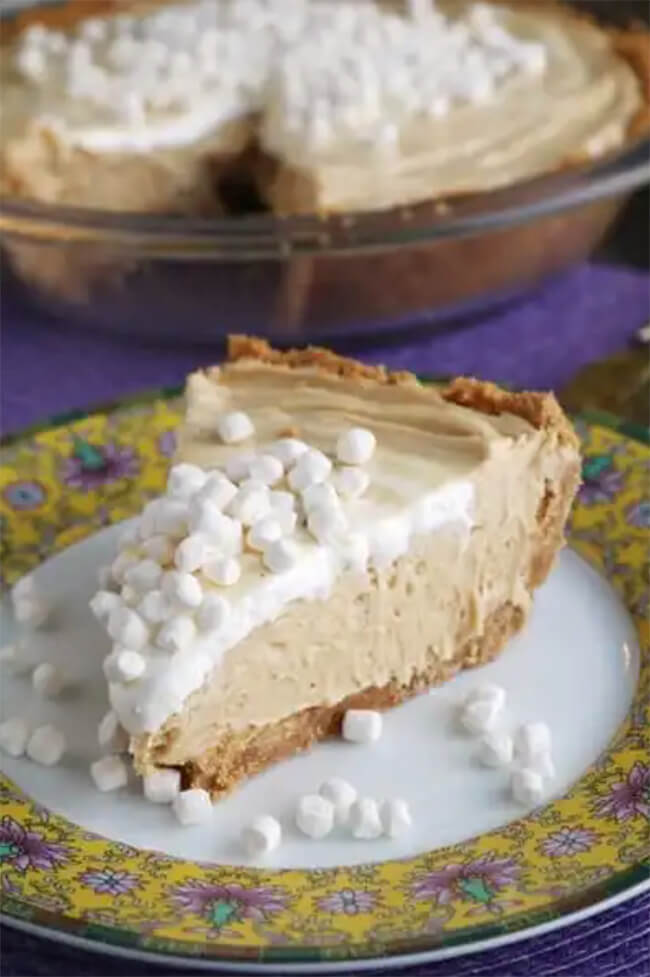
[
  {"x": 332, "y": 536},
  {"x": 321, "y": 107}
]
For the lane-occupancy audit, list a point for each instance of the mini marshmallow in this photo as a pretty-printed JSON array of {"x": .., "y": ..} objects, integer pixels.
[
  {"x": 480, "y": 715},
  {"x": 261, "y": 836},
  {"x": 542, "y": 763},
  {"x": 218, "y": 490},
  {"x": 362, "y": 725},
  {"x": 263, "y": 532},
  {"x": 207, "y": 519},
  {"x": 527, "y": 787},
  {"x": 238, "y": 466},
  {"x": 129, "y": 665},
  {"x": 154, "y": 607},
  {"x": 251, "y": 503},
  {"x": 172, "y": 518},
  {"x": 532, "y": 740},
  {"x": 235, "y": 426},
  {"x": 311, "y": 468},
  {"x": 314, "y": 816},
  {"x": 177, "y": 634},
  {"x": 25, "y": 588},
  {"x": 103, "y": 603},
  {"x": 162, "y": 786},
  {"x": 287, "y": 450},
  {"x": 127, "y": 627},
  {"x": 32, "y": 612},
  {"x": 355, "y": 446},
  {"x": 341, "y": 794},
  {"x": 110, "y": 735},
  {"x": 223, "y": 570},
  {"x": 495, "y": 750},
  {"x": 287, "y": 520},
  {"x": 355, "y": 551},
  {"x": 192, "y": 552},
  {"x": 281, "y": 501},
  {"x": 147, "y": 521},
  {"x": 213, "y": 613},
  {"x": 130, "y": 596},
  {"x": 144, "y": 576},
  {"x": 159, "y": 548},
  {"x": 351, "y": 483},
  {"x": 129, "y": 538},
  {"x": 120, "y": 565},
  {"x": 267, "y": 469},
  {"x": 14, "y": 659},
  {"x": 395, "y": 817},
  {"x": 14, "y": 734},
  {"x": 319, "y": 494},
  {"x": 192, "y": 806},
  {"x": 488, "y": 691},
  {"x": 185, "y": 480},
  {"x": 182, "y": 589},
  {"x": 327, "y": 523},
  {"x": 46, "y": 745},
  {"x": 48, "y": 681},
  {"x": 280, "y": 556},
  {"x": 109, "y": 773},
  {"x": 364, "y": 819}
]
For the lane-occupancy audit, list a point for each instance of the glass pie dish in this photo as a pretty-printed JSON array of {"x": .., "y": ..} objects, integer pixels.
[{"x": 307, "y": 278}]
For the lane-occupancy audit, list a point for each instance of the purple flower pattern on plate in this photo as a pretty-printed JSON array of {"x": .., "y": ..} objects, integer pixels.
[
  {"x": 478, "y": 880},
  {"x": 639, "y": 515},
  {"x": 25, "y": 494},
  {"x": 90, "y": 467},
  {"x": 627, "y": 798},
  {"x": 224, "y": 904},
  {"x": 27, "y": 849},
  {"x": 601, "y": 481},
  {"x": 351, "y": 902},
  {"x": 110, "y": 882},
  {"x": 568, "y": 841},
  {"x": 167, "y": 443}
]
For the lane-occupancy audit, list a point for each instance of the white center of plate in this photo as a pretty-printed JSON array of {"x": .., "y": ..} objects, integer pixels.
[{"x": 575, "y": 666}]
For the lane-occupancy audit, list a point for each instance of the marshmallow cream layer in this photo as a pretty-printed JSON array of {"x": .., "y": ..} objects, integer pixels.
[{"x": 426, "y": 483}]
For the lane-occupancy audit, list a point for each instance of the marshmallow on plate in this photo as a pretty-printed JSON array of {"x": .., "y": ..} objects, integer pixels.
[
  {"x": 162, "y": 786},
  {"x": 364, "y": 819},
  {"x": 192, "y": 806},
  {"x": 395, "y": 817},
  {"x": 109, "y": 773},
  {"x": 314, "y": 816},
  {"x": 14, "y": 734},
  {"x": 48, "y": 680},
  {"x": 46, "y": 745},
  {"x": 261, "y": 836},
  {"x": 341, "y": 794},
  {"x": 362, "y": 725}
]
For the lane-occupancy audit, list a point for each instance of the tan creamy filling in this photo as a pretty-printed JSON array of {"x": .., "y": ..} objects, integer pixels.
[{"x": 386, "y": 624}]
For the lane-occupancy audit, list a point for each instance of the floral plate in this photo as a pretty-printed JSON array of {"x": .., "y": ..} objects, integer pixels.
[{"x": 577, "y": 854}]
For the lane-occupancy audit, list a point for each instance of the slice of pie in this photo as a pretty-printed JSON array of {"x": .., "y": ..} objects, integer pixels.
[{"x": 333, "y": 536}]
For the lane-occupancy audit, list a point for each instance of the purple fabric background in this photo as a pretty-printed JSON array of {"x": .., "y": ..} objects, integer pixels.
[
  {"x": 583, "y": 316},
  {"x": 541, "y": 341}
]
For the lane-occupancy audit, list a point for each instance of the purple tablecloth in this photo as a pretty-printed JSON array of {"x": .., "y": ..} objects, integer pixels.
[{"x": 542, "y": 341}]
